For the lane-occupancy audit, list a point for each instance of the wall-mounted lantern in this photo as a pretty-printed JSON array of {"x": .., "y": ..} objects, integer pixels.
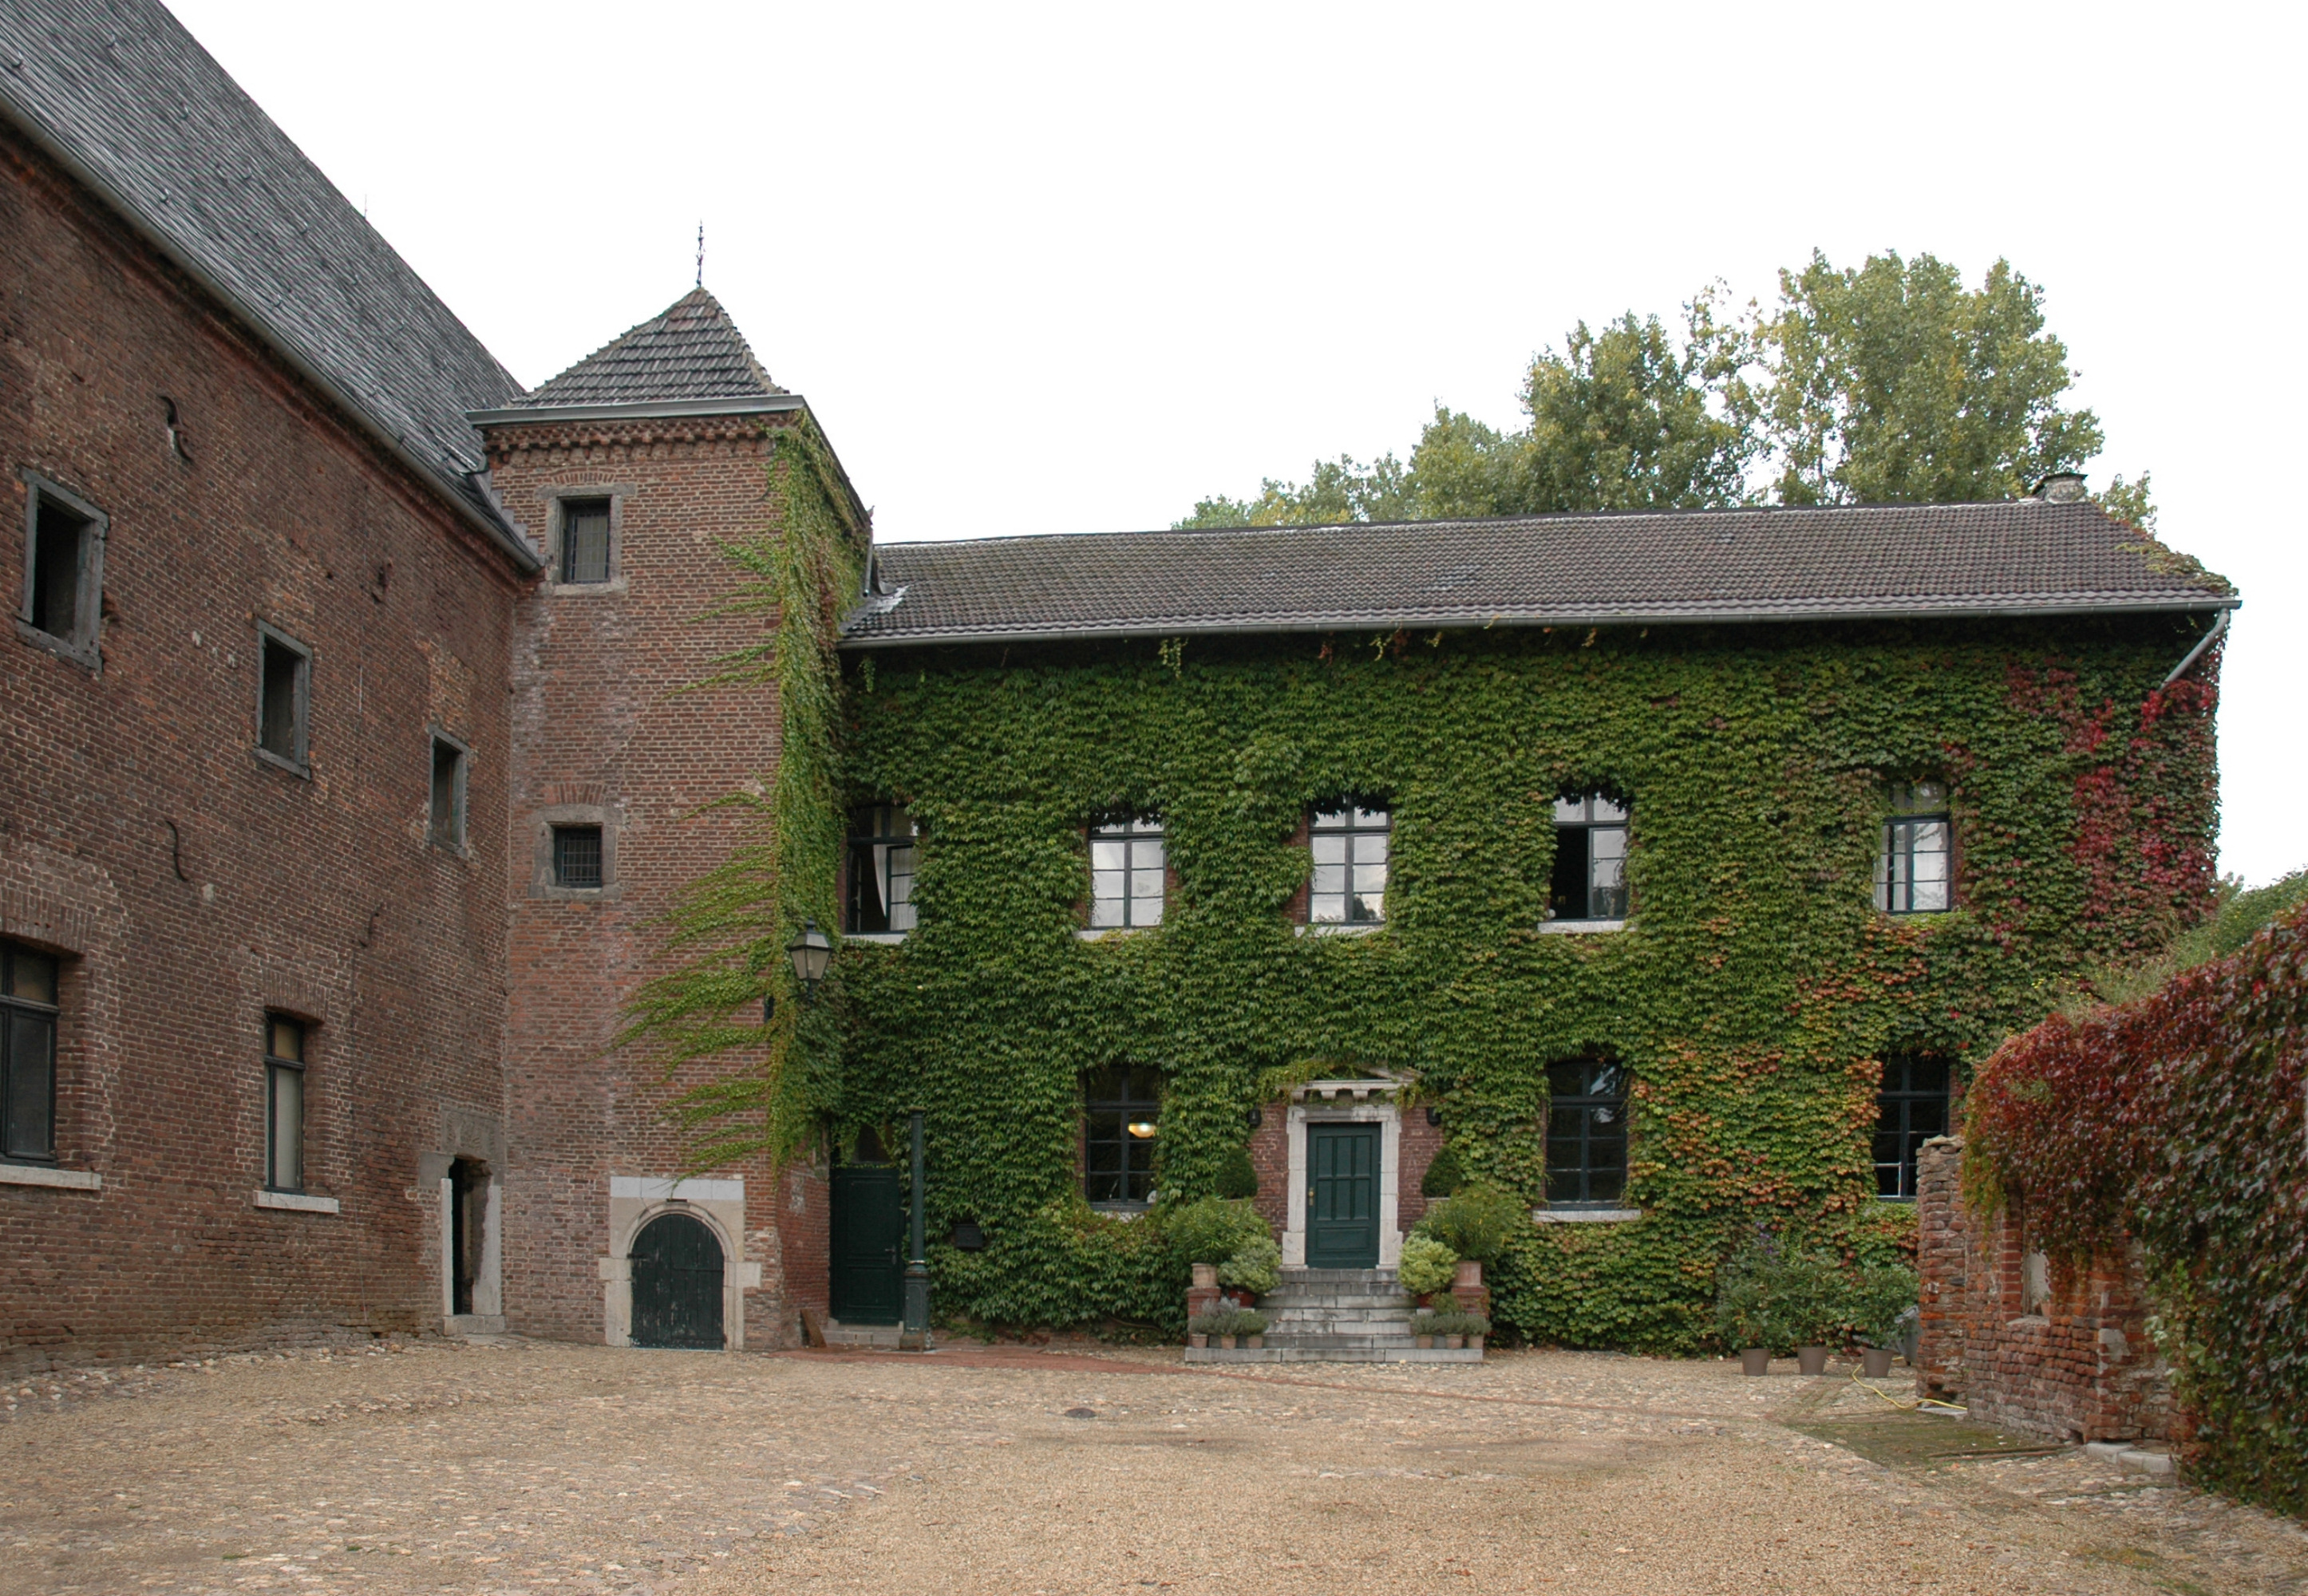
[{"x": 811, "y": 952}]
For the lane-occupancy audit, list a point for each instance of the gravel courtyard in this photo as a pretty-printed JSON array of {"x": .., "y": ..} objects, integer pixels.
[{"x": 534, "y": 1467}]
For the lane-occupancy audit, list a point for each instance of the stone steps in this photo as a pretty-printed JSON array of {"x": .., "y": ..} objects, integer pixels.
[{"x": 1336, "y": 1315}]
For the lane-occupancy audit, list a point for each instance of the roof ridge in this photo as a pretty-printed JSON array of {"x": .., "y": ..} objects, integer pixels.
[{"x": 690, "y": 349}]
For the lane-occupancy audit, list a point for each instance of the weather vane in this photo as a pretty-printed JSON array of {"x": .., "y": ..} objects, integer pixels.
[{"x": 700, "y": 254}]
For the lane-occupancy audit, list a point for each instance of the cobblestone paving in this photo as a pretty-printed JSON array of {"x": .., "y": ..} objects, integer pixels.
[{"x": 534, "y": 1468}]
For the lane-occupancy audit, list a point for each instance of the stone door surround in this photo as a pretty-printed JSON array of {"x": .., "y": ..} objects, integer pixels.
[{"x": 1348, "y": 1103}]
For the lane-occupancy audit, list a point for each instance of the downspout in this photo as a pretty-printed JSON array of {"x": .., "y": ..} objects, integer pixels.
[{"x": 2218, "y": 630}]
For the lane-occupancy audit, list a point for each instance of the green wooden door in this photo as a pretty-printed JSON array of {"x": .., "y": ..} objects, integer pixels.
[
  {"x": 869, "y": 1240},
  {"x": 677, "y": 1275},
  {"x": 1342, "y": 1196}
]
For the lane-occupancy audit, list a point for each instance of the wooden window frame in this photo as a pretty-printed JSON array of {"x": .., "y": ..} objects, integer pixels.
[
  {"x": 1125, "y": 1110},
  {"x": 1895, "y": 1117},
  {"x": 81, "y": 644},
  {"x": 1586, "y": 1104},
  {"x": 298, "y": 762},
  {"x": 16, "y": 1010},
  {"x": 1895, "y": 887},
  {"x": 277, "y": 1066}
]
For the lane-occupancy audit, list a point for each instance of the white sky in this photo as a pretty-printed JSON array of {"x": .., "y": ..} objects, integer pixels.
[{"x": 1072, "y": 268}]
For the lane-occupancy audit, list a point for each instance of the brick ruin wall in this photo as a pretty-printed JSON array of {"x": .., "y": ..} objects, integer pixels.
[{"x": 2024, "y": 1341}]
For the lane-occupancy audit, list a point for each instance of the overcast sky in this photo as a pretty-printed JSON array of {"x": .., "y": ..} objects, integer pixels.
[{"x": 1072, "y": 268}]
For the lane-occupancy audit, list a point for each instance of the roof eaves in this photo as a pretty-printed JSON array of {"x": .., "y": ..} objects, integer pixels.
[
  {"x": 2019, "y": 607},
  {"x": 506, "y": 540}
]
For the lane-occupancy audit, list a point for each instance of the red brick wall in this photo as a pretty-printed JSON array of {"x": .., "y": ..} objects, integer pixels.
[
  {"x": 600, "y": 721},
  {"x": 190, "y": 885},
  {"x": 2073, "y": 1360},
  {"x": 1270, "y": 1156}
]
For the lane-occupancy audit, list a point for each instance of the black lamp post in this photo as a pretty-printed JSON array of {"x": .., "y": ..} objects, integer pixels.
[
  {"x": 811, "y": 952},
  {"x": 914, "y": 1334}
]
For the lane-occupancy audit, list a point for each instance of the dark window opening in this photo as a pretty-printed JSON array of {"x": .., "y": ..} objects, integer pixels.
[
  {"x": 1127, "y": 872},
  {"x": 59, "y": 561},
  {"x": 1916, "y": 875},
  {"x": 882, "y": 843},
  {"x": 577, "y": 856},
  {"x": 1350, "y": 845},
  {"x": 1590, "y": 859},
  {"x": 282, "y": 688},
  {"x": 1586, "y": 1134},
  {"x": 28, "y": 1054},
  {"x": 468, "y": 1209},
  {"x": 284, "y": 1104},
  {"x": 585, "y": 540},
  {"x": 1911, "y": 1108},
  {"x": 448, "y": 808},
  {"x": 1121, "y": 1112}
]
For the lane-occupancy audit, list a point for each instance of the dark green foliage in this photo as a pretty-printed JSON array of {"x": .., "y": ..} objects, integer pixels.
[
  {"x": 1881, "y": 1296},
  {"x": 1775, "y": 1293},
  {"x": 1236, "y": 1178},
  {"x": 1479, "y": 1222},
  {"x": 1443, "y": 1175},
  {"x": 1211, "y": 1229}
]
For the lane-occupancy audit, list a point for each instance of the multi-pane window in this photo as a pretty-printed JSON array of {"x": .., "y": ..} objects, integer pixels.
[
  {"x": 447, "y": 828},
  {"x": 283, "y": 696},
  {"x": 64, "y": 548},
  {"x": 1586, "y": 1133},
  {"x": 1590, "y": 859},
  {"x": 1126, "y": 874},
  {"x": 883, "y": 840},
  {"x": 1916, "y": 871},
  {"x": 284, "y": 1104},
  {"x": 28, "y": 1054},
  {"x": 1911, "y": 1108},
  {"x": 577, "y": 856},
  {"x": 1350, "y": 846},
  {"x": 1121, "y": 1113},
  {"x": 585, "y": 540}
]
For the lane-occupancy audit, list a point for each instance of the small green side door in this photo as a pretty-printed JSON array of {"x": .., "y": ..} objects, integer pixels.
[
  {"x": 1342, "y": 1196},
  {"x": 869, "y": 1239}
]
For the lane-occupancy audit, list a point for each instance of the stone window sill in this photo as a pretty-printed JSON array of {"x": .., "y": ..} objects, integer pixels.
[
  {"x": 877, "y": 938},
  {"x": 1579, "y": 927},
  {"x": 83, "y": 654},
  {"x": 302, "y": 770},
  {"x": 77, "y": 1180},
  {"x": 1329, "y": 928},
  {"x": 1122, "y": 1209},
  {"x": 1585, "y": 1216},
  {"x": 297, "y": 1201}
]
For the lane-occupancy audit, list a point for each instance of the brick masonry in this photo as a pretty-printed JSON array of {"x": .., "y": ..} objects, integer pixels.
[{"x": 2025, "y": 1340}]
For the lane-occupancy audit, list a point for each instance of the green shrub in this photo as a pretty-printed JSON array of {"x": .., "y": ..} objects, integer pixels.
[
  {"x": 1428, "y": 1266},
  {"x": 1479, "y": 1222},
  {"x": 1256, "y": 1267},
  {"x": 1237, "y": 1178},
  {"x": 1879, "y": 1298},
  {"x": 1770, "y": 1294},
  {"x": 1211, "y": 1229},
  {"x": 1228, "y": 1321},
  {"x": 1443, "y": 1178}
]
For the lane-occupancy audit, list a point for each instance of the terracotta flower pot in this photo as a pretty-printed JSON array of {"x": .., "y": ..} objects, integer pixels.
[
  {"x": 1425, "y": 1341},
  {"x": 1875, "y": 1362},
  {"x": 1206, "y": 1277},
  {"x": 1469, "y": 1276},
  {"x": 1453, "y": 1342},
  {"x": 1254, "y": 1341},
  {"x": 1227, "y": 1342},
  {"x": 1474, "y": 1343},
  {"x": 1197, "y": 1339},
  {"x": 1810, "y": 1360},
  {"x": 1755, "y": 1360}
]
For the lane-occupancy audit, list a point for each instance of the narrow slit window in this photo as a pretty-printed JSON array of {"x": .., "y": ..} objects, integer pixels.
[
  {"x": 1916, "y": 873},
  {"x": 883, "y": 840},
  {"x": 28, "y": 1054},
  {"x": 1128, "y": 871},
  {"x": 1121, "y": 1116},
  {"x": 284, "y": 1104},
  {"x": 448, "y": 805},
  {"x": 577, "y": 856},
  {"x": 1351, "y": 845},
  {"x": 585, "y": 540},
  {"x": 1590, "y": 859},
  {"x": 1586, "y": 1134},
  {"x": 1911, "y": 1108},
  {"x": 284, "y": 689}
]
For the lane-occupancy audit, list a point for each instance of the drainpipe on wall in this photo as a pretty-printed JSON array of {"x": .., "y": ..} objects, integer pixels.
[{"x": 2218, "y": 630}]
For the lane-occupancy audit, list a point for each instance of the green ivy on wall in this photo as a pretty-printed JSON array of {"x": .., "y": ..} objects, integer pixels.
[{"x": 1749, "y": 996}]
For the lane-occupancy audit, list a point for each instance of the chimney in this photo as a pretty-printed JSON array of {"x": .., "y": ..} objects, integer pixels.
[{"x": 2060, "y": 488}]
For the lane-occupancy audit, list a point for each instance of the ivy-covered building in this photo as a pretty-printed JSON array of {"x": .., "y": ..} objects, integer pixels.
[{"x": 1671, "y": 868}]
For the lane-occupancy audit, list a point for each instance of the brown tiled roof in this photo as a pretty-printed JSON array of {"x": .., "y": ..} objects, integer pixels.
[
  {"x": 693, "y": 351},
  {"x": 2027, "y": 556}
]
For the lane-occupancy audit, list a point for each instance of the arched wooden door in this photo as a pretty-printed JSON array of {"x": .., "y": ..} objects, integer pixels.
[{"x": 676, "y": 1284}]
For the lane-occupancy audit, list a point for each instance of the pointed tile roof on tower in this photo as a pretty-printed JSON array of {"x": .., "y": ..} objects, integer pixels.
[{"x": 693, "y": 351}]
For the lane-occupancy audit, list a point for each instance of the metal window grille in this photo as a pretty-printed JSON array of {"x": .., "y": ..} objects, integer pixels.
[
  {"x": 585, "y": 540},
  {"x": 1586, "y": 1134},
  {"x": 1915, "y": 873},
  {"x": 1127, "y": 871},
  {"x": 1350, "y": 846},
  {"x": 28, "y": 1054},
  {"x": 283, "y": 695},
  {"x": 577, "y": 856},
  {"x": 1121, "y": 1116},
  {"x": 1590, "y": 859},
  {"x": 448, "y": 813},
  {"x": 883, "y": 843},
  {"x": 284, "y": 1104},
  {"x": 1911, "y": 1108}
]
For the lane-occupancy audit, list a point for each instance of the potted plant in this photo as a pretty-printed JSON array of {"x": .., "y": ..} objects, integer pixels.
[
  {"x": 1424, "y": 1328},
  {"x": 1474, "y": 1326},
  {"x": 1816, "y": 1289},
  {"x": 1249, "y": 1327},
  {"x": 1206, "y": 1277},
  {"x": 1477, "y": 1223},
  {"x": 1746, "y": 1307},
  {"x": 1880, "y": 1299},
  {"x": 1428, "y": 1266},
  {"x": 1255, "y": 1268}
]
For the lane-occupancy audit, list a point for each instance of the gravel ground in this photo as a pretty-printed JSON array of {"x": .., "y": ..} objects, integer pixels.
[{"x": 533, "y": 1467}]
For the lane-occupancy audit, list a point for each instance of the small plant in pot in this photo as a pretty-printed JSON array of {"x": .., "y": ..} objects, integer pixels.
[
  {"x": 1425, "y": 1325},
  {"x": 1255, "y": 1268},
  {"x": 1748, "y": 1314},
  {"x": 1881, "y": 1301},
  {"x": 1428, "y": 1266},
  {"x": 1229, "y": 1327},
  {"x": 1477, "y": 1223}
]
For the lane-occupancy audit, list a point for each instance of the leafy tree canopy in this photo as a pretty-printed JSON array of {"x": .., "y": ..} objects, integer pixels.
[{"x": 1888, "y": 383}]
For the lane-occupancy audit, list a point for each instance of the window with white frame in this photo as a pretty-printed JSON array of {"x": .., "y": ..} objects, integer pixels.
[
  {"x": 1915, "y": 873},
  {"x": 883, "y": 843},
  {"x": 1127, "y": 872},
  {"x": 1591, "y": 859},
  {"x": 1350, "y": 844}
]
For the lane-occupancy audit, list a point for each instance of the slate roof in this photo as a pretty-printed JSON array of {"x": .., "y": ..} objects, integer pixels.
[
  {"x": 2023, "y": 558},
  {"x": 693, "y": 351},
  {"x": 123, "y": 92}
]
